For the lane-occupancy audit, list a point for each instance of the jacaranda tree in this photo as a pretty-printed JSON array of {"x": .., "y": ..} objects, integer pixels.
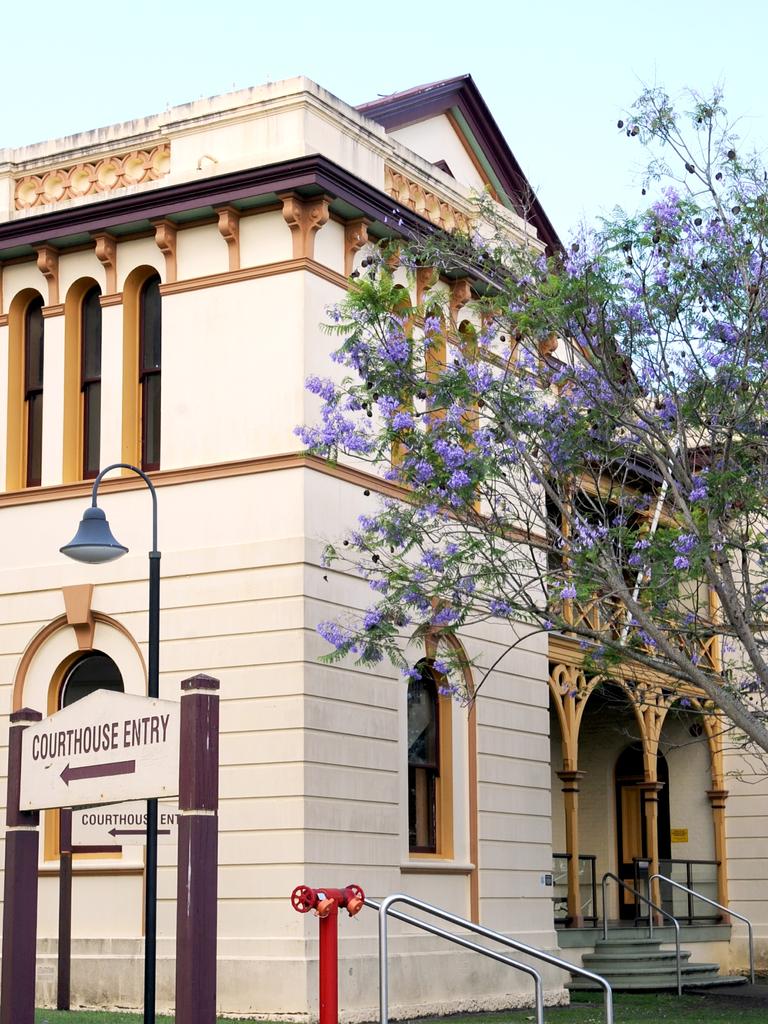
[{"x": 585, "y": 448}]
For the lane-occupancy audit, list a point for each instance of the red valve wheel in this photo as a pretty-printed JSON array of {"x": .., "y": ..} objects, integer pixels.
[
  {"x": 303, "y": 899},
  {"x": 355, "y": 899}
]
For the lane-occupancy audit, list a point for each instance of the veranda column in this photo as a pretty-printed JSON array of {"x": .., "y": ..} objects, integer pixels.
[
  {"x": 651, "y": 792},
  {"x": 717, "y": 798},
  {"x": 571, "y": 803}
]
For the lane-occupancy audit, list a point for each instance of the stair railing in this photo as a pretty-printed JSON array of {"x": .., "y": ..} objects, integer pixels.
[
  {"x": 385, "y": 911},
  {"x": 652, "y": 906},
  {"x": 719, "y": 906}
]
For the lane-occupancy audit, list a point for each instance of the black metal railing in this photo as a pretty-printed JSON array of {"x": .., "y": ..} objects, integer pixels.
[
  {"x": 587, "y": 888},
  {"x": 699, "y": 875}
]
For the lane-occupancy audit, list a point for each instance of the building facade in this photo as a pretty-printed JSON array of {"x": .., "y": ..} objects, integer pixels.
[{"x": 164, "y": 286}]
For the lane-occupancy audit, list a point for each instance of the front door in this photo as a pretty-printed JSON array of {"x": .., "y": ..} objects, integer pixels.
[{"x": 630, "y": 823}]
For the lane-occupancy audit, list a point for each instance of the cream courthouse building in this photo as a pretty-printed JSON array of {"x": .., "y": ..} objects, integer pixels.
[{"x": 163, "y": 285}]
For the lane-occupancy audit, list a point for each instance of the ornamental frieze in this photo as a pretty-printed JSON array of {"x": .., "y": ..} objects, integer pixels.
[
  {"x": 93, "y": 177},
  {"x": 428, "y": 205}
]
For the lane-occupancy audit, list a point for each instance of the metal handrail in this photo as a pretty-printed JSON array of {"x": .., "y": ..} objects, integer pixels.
[
  {"x": 653, "y": 906},
  {"x": 384, "y": 910},
  {"x": 719, "y": 906},
  {"x": 467, "y": 944}
]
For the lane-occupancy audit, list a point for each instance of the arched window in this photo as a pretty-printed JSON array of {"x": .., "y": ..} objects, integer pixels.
[
  {"x": 90, "y": 379},
  {"x": 24, "y": 405},
  {"x": 150, "y": 354},
  {"x": 33, "y": 391},
  {"x": 423, "y": 762},
  {"x": 94, "y": 671}
]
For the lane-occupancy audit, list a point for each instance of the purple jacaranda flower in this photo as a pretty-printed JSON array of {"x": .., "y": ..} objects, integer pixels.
[
  {"x": 699, "y": 491},
  {"x": 459, "y": 478},
  {"x": 322, "y": 386},
  {"x": 685, "y": 543},
  {"x": 372, "y": 618},
  {"x": 402, "y": 421},
  {"x": 432, "y": 561}
]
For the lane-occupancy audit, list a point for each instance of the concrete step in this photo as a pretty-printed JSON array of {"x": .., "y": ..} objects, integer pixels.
[
  {"x": 632, "y": 949},
  {"x": 567, "y": 937},
  {"x": 720, "y": 981},
  {"x": 658, "y": 956},
  {"x": 640, "y": 969}
]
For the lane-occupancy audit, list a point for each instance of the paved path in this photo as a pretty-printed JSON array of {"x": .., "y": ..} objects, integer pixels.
[{"x": 747, "y": 996}]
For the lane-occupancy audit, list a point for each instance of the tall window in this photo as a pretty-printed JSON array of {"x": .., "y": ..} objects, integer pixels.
[
  {"x": 33, "y": 391},
  {"x": 423, "y": 762},
  {"x": 150, "y": 354},
  {"x": 90, "y": 380}
]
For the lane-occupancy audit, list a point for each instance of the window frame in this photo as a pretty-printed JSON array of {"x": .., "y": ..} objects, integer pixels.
[
  {"x": 145, "y": 374},
  {"x": 90, "y": 382},
  {"x": 32, "y": 392},
  {"x": 442, "y": 848}
]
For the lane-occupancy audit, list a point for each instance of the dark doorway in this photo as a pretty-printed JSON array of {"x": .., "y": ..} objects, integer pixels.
[{"x": 631, "y": 835}]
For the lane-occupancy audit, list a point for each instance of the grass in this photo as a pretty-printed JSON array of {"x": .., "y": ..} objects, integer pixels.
[{"x": 585, "y": 1009}]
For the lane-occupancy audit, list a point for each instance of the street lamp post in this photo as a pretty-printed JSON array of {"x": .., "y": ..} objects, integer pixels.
[{"x": 93, "y": 543}]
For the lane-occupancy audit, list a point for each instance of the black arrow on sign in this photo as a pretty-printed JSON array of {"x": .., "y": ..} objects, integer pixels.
[
  {"x": 98, "y": 771},
  {"x": 136, "y": 832}
]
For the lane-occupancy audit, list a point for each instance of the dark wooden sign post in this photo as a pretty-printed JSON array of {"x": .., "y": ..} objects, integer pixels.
[
  {"x": 198, "y": 788},
  {"x": 196, "y": 887},
  {"x": 22, "y": 840}
]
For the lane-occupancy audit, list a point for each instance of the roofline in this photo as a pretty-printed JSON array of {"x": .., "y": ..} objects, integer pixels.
[{"x": 405, "y": 108}]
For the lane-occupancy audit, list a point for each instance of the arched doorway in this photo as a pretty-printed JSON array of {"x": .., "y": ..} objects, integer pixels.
[{"x": 631, "y": 836}]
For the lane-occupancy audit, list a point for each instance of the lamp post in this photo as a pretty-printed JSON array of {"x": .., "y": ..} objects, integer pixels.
[{"x": 93, "y": 543}]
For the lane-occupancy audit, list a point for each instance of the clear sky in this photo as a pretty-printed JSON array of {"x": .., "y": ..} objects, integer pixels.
[{"x": 556, "y": 74}]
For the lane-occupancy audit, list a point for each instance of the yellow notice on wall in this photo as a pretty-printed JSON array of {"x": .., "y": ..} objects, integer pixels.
[{"x": 678, "y": 835}]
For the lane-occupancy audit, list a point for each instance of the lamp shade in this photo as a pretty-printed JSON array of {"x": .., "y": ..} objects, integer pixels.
[{"x": 93, "y": 541}]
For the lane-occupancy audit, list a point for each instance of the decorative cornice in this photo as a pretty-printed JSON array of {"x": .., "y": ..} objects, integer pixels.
[
  {"x": 355, "y": 237},
  {"x": 84, "y": 179},
  {"x": 106, "y": 254},
  {"x": 229, "y": 229},
  {"x": 116, "y": 299},
  {"x": 249, "y": 273},
  {"x": 165, "y": 239},
  {"x": 57, "y": 310},
  {"x": 426, "y": 277},
  {"x": 461, "y": 294},
  {"x": 304, "y": 217},
  {"x": 307, "y": 172},
  {"x": 424, "y": 202},
  {"x": 3, "y": 319},
  {"x": 48, "y": 265}
]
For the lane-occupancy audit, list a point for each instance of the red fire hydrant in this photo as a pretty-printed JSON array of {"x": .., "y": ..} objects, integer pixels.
[{"x": 326, "y": 904}]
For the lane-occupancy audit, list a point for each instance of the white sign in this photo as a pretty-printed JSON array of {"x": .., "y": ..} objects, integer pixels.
[
  {"x": 102, "y": 749},
  {"x": 123, "y": 825}
]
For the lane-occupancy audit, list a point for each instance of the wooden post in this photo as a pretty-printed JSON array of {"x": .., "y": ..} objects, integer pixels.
[
  {"x": 198, "y": 852},
  {"x": 651, "y": 792},
  {"x": 65, "y": 909},
  {"x": 22, "y": 838},
  {"x": 717, "y": 798},
  {"x": 571, "y": 803}
]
